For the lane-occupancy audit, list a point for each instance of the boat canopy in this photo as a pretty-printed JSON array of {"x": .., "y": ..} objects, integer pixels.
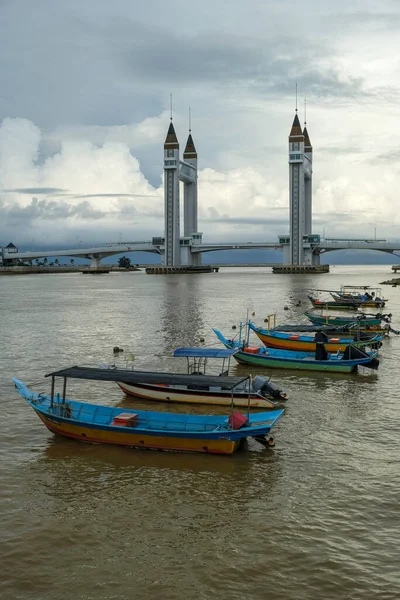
[
  {"x": 304, "y": 327},
  {"x": 205, "y": 352},
  {"x": 127, "y": 376}
]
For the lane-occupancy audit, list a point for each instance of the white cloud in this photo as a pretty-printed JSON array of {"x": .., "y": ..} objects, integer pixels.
[
  {"x": 98, "y": 192},
  {"x": 88, "y": 92}
]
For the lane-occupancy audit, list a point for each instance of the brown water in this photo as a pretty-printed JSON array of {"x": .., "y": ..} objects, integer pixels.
[{"x": 317, "y": 517}]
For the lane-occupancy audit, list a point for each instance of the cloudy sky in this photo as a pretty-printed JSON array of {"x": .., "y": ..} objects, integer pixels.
[{"x": 84, "y": 110}]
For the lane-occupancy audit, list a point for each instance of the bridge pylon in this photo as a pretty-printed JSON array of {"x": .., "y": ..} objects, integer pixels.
[
  {"x": 301, "y": 249},
  {"x": 178, "y": 250}
]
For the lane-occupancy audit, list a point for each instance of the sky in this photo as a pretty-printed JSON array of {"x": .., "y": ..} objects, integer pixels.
[{"x": 84, "y": 111}]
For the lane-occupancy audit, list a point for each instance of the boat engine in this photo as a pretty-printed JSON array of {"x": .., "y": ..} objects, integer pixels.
[
  {"x": 266, "y": 440},
  {"x": 264, "y": 386},
  {"x": 352, "y": 352}
]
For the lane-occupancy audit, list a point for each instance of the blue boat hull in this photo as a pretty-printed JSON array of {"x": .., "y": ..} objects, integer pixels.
[{"x": 155, "y": 430}]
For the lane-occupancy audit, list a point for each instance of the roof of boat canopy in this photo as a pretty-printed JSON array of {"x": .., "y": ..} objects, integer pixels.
[
  {"x": 205, "y": 352},
  {"x": 127, "y": 376}
]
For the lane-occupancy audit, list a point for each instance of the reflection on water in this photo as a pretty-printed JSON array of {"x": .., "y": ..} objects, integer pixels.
[{"x": 315, "y": 517}]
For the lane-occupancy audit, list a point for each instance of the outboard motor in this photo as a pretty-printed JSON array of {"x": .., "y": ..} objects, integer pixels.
[
  {"x": 264, "y": 386},
  {"x": 266, "y": 440},
  {"x": 352, "y": 353}
]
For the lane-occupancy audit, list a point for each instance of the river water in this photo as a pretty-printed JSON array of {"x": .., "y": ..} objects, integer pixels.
[{"x": 317, "y": 517}]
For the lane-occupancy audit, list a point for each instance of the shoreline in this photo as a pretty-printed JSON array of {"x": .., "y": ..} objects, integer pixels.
[{"x": 67, "y": 269}]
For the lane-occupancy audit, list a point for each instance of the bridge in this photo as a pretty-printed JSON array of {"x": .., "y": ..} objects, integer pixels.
[
  {"x": 300, "y": 246},
  {"x": 95, "y": 254}
]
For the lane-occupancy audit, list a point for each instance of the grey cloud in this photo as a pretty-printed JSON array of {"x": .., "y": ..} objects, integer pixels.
[
  {"x": 389, "y": 157},
  {"x": 38, "y": 190},
  {"x": 246, "y": 221},
  {"x": 340, "y": 150},
  {"x": 116, "y": 195},
  {"x": 48, "y": 211},
  {"x": 266, "y": 65},
  {"x": 366, "y": 20}
]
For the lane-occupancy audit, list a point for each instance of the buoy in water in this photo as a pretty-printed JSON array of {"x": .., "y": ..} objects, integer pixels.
[
  {"x": 116, "y": 349},
  {"x": 233, "y": 326},
  {"x": 285, "y": 308}
]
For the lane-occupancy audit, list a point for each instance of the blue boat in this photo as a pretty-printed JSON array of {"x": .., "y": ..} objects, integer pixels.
[
  {"x": 319, "y": 360},
  {"x": 96, "y": 423}
]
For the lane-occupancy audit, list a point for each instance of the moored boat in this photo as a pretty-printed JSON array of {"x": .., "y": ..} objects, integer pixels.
[
  {"x": 336, "y": 305},
  {"x": 306, "y": 361},
  {"x": 307, "y": 343},
  {"x": 259, "y": 391},
  {"x": 361, "y": 320},
  {"x": 97, "y": 423},
  {"x": 350, "y": 297}
]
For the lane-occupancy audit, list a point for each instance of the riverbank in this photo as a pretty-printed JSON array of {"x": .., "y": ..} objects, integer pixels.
[{"x": 25, "y": 270}]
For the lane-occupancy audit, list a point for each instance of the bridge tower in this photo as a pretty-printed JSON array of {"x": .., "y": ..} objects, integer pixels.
[
  {"x": 189, "y": 177},
  {"x": 172, "y": 255},
  {"x": 308, "y": 157},
  {"x": 296, "y": 193},
  {"x": 190, "y": 190},
  {"x": 300, "y": 248}
]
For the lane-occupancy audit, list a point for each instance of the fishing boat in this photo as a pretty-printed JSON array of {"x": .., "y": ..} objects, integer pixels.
[
  {"x": 306, "y": 343},
  {"x": 345, "y": 305},
  {"x": 259, "y": 391},
  {"x": 345, "y": 362},
  {"x": 96, "y": 423},
  {"x": 350, "y": 297},
  {"x": 364, "y": 294},
  {"x": 362, "y": 320}
]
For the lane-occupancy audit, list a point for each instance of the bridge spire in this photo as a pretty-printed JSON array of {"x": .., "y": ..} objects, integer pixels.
[
  {"x": 308, "y": 159},
  {"x": 171, "y": 141},
  {"x": 171, "y": 198},
  {"x": 296, "y": 192},
  {"x": 190, "y": 188}
]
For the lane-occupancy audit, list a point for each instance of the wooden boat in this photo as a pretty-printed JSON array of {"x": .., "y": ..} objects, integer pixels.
[
  {"x": 364, "y": 294},
  {"x": 350, "y": 297},
  {"x": 307, "y": 343},
  {"x": 96, "y": 423},
  {"x": 306, "y": 361},
  {"x": 259, "y": 391},
  {"x": 342, "y": 303},
  {"x": 362, "y": 320}
]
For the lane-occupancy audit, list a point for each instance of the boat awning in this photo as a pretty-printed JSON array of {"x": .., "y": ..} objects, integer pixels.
[
  {"x": 205, "y": 352},
  {"x": 305, "y": 328},
  {"x": 126, "y": 376}
]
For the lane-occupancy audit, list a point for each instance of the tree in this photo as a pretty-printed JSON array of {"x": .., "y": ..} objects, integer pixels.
[
  {"x": 45, "y": 261},
  {"x": 57, "y": 262},
  {"x": 72, "y": 261},
  {"x": 124, "y": 262}
]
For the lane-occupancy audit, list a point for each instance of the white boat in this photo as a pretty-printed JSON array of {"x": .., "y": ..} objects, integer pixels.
[{"x": 256, "y": 392}]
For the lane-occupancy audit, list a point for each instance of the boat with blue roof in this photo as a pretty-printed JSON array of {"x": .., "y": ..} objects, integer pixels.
[{"x": 97, "y": 423}]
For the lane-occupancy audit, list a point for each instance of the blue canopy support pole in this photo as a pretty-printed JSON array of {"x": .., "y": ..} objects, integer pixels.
[
  {"x": 52, "y": 392},
  {"x": 240, "y": 332},
  {"x": 249, "y": 396}
]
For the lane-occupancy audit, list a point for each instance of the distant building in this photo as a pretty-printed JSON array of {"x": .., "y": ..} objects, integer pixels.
[
  {"x": 7, "y": 258},
  {"x": 10, "y": 248}
]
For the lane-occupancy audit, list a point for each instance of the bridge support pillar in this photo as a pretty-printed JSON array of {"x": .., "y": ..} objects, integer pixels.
[{"x": 95, "y": 262}]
